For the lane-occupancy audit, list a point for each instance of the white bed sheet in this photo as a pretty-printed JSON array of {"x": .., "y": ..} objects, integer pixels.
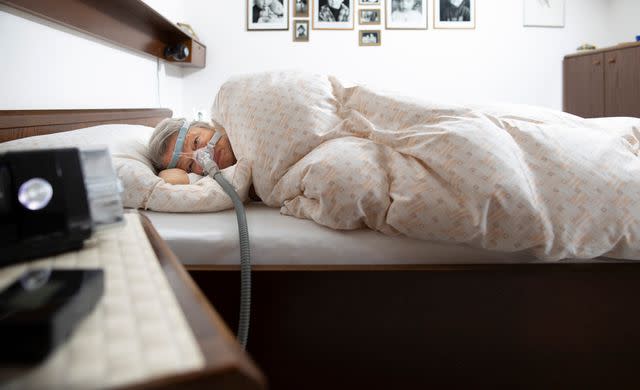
[{"x": 212, "y": 239}]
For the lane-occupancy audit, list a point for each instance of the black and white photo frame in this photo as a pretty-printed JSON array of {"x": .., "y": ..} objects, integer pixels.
[
  {"x": 333, "y": 14},
  {"x": 300, "y": 30},
  {"x": 369, "y": 16},
  {"x": 406, "y": 14},
  {"x": 370, "y": 38},
  {"x": 301, "y": 8},
  {"x": 263, "y": 15},
  {"x": 460, "y": 14}
]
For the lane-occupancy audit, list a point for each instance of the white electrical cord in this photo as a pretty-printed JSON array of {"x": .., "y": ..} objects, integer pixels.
[{"x": 158, "y": 81}]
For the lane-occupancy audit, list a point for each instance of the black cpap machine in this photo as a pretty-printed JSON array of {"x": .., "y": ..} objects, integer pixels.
[{"x": 52, "y": 200}]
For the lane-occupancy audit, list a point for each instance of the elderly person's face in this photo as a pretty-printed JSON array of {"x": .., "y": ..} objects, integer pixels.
[
  {"x": 196, "y": 138},
  {"x": 335, "y": 3},
  {"x": 262, "y": 4},
  {"x": 455, "y": 3}
]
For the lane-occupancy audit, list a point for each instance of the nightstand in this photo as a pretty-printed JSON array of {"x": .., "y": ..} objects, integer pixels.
[{"x": 153, "y": 327}]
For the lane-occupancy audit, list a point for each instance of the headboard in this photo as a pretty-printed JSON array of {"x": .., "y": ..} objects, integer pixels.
[{"x": 16, "y": 124}]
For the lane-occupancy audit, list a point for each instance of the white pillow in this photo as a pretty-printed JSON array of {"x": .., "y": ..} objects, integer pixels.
[
  {"x": 142, "y": 187},
  {"x": 123, "y": 141}
]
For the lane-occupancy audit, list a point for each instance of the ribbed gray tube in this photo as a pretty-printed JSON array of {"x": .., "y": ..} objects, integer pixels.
[{"x": 245, "y": 260}]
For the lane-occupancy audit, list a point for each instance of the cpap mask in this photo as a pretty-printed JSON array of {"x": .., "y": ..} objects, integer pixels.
[{"x": 203, "y": 156}]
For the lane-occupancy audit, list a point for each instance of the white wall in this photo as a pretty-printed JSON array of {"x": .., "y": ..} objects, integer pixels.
[
  {"x": 170, "y": 76},
  {"x": 498, "y": 61},
  {"x": 624, "y": 20},
  {"x": 46, "y": 66}
]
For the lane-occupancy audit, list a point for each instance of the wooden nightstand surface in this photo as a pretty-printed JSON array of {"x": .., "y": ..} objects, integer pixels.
[{"x": 152, "y": 328}]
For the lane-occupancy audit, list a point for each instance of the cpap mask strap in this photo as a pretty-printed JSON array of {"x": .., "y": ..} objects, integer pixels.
[
  {"x": 214, "y": 140},
  {"x": 182, "y": 134}
]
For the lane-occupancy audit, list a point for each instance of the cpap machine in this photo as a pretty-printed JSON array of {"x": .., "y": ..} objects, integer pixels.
[{"x": 52, "y": 200}]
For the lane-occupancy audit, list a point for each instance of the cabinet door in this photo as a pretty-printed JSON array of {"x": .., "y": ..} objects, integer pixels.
[
  {"x": 584, "y": 85},
  {"x": 622, "y": 82}
]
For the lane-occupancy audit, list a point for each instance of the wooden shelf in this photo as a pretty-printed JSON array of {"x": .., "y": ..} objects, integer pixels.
[{"x": 128, "y": 23}]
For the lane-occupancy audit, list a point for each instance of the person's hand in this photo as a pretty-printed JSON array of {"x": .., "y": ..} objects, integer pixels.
[{"x": 174, "y": 176}]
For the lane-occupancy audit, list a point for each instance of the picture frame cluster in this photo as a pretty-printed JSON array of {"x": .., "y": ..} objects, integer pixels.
[
  {"x": 301, "y": 26},
  {"x": 273, "y": 15},
  {"x": 370, "y": 14}
]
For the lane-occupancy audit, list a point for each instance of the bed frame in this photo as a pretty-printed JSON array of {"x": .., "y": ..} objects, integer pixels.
[
  {"x": 517, "y": 325},
  {"x": 25, "y": 123}
]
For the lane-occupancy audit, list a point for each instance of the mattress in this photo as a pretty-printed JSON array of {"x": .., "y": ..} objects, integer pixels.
[{"x": 211, "y": 239}]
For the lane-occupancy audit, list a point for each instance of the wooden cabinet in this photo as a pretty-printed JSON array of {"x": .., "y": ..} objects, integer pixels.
[
  {"x": 584, "y": 85},
  {"x": 603, "y": 83},
  {"x": 622, "y": 87}
]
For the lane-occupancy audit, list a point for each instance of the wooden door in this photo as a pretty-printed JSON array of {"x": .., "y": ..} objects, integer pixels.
[
  {"x": 584, "y": 85},
  {"x": 622, "y": 82}
]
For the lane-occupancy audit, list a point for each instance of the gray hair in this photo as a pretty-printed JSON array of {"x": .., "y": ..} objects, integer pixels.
[{"x": 164, "y": 130}]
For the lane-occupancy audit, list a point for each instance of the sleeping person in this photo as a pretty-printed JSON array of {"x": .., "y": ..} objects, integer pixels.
[{"x": 506, "y": 178}]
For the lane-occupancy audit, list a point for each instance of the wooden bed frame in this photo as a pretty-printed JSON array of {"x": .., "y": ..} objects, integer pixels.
[
  {"x": 26, "y": 123},
  {"x": 516, "y": 325}
]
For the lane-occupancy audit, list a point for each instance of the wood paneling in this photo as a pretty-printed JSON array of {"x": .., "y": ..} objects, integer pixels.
[
  {"x": 533, "y": 326},
  {"x": 16, "y": 124},
  {"x": 129, "y": 23},
  {"x": 622, "y": 87},
  {"x": 197, "y": 55},
  {"x": 583, "y": 85}
]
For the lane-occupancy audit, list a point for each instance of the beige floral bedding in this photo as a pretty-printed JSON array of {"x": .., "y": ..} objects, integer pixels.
[{"x": 506, "y": 178}]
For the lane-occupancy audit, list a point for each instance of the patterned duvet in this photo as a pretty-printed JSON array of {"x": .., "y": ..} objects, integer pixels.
[{"x": 507, "y": 178}]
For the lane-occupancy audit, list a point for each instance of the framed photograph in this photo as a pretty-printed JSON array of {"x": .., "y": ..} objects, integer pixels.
[
  {"x": 454, "y": 13},
  {"x": 267, "y": 15},
  {"x": 544, "y": 13},
  {"x": 370, "y": 38},
  {"x": 300, "y": 30},
  {"x": 406, "y": 14},
  {"x": 369, "y": 16},
  {"x": 370, "y": 2},
  {"x": 302, "y": 9},
  {"x": 333, "y": 14}
]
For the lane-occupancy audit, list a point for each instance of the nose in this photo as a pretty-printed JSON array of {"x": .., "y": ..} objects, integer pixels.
[
  {"x": 197, "y": 169},
  {"x": 193, "y": 162}
]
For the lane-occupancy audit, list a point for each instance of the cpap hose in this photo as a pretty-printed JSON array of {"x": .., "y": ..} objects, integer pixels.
[
  {"x": 204, "y": 159},
  {"x": 245, "y": 260}
]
